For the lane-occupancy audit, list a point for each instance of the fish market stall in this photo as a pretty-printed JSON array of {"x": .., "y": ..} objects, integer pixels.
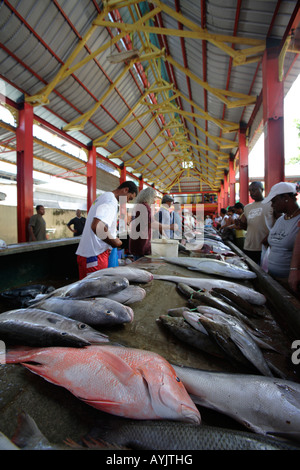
[
  {"x": 60, "y": 415},
  {"x": 24, "y": 263}
]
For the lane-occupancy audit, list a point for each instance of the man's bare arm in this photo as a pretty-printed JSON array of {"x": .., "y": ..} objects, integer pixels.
[{"x": 101, "y": 230}]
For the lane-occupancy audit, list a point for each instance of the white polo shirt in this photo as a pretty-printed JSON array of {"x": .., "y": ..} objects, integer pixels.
[{"x": 105, "y": 208}]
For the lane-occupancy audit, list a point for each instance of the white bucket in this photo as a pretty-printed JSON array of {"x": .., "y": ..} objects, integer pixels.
[{"x": 164, "y": 247}]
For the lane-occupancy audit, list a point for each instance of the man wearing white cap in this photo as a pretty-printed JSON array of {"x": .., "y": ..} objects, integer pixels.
[{"x": 284, "y": 260}]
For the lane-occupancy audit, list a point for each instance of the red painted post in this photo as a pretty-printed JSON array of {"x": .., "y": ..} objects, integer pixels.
[
  {"x": 122, "y": 174},
  {"x": 231, "y": 181},
  {"x": 244, "y": 169},
  {"x": 24, "y": 136},
  {"x": 273, "y": 110},
  {"x": 91, "y": 171},
  {"x": 225, "y": 189},
  {"x": 141, "y": 184},
  {"x": 222, "y": 205}
]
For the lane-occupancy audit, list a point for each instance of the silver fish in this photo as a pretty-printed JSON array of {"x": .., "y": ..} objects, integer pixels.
[
  {"x": 91, "y": 287},
  {"x": 189, "y": 335},
  {"x": 235, "y": 341},
  {"x": 37, "y": 327},
  {"x": 167, "y": 435},
  {"x": 129, "y": 295},
  {"x": 192, "y": 318},
  {"x": 208, "y": 299},
  {"x": 93, "y": 311},
  {"x": 132, "y": 274},
  {"x": 263, "y": 404},
  {"x": 247, "y": 293},
  {"x": 212, "y": 266}
]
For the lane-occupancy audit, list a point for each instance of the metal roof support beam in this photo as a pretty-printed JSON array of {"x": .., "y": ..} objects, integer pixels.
[
  {"x": 194, "y": 32},
  {"x": 241, "y": 98},
  {"x": 91, "y": 176},
  {"x": 79, "y": 122},
  {"x": 244, "y": 170},
  {"x": 133, "y": 160},
  {"x": 24, "y": 135},
  {"x": 273, "y": 111},
  {"x": 104, "y": 139}
]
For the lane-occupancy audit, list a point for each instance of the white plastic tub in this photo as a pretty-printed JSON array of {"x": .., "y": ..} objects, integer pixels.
[{"x": 164, "y": 247}]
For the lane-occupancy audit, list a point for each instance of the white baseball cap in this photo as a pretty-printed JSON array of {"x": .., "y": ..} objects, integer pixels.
[{"x": 280, "y": 188}]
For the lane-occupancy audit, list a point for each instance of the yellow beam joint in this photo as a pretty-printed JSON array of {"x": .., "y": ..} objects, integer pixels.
[{"x": 42, "y": 96}]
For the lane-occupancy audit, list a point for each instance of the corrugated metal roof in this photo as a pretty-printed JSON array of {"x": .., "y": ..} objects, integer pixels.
[{"x": 160, "y": 112}]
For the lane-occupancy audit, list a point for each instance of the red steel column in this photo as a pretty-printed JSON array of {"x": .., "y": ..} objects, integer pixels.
[
  {"x": 91, "y": 176},
  {"x": 231, "y": 181},
  {"x": 244, "y": 169},
  {"x": 24, "y": 135},
  {"x": 225, "y": 189},
  {"x": 122, "y": 174},
  {"x": 141, "y": 184},
  {"x": 273, "y": 110},
  {"x": 221, "y": 200}
]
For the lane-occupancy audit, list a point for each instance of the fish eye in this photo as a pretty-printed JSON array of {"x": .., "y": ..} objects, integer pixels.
[
  {"x": 82, "y": 326},
  {"x": 177, "y": 379}
]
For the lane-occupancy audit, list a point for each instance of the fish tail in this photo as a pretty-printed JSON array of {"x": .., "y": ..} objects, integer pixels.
[{"x": 20, "y": 354}]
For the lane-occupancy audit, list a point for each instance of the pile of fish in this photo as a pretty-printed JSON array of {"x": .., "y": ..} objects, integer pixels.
[
  {"x": 220, "y": 328},
  {"x": 65, "y": 316}
]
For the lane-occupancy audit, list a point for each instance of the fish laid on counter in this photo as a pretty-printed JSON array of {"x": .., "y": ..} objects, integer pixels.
[
  {"x": 212, "y": 266},
  {"x": 263, "y": 404},
  {"x": 129, "y": 295},
  {"x": 207, "y": 298},
  {"x": 236, "y": 301},
  {"x": 170, "y": 435},
  {"x": 20, "y": 297},
  {"x": 192, "y": 317},
  {"x": 90, "y": 287},
  {"x": 131, "y": 273},
  {"x": 128, "y": 382},
  {"x": 247, "y": 293},
  {"x": 93, "y": 311},
  {"x": 36, "y": 327},
  {"x": 235, "y": 341},
  {"x": 191, "y": 336}
]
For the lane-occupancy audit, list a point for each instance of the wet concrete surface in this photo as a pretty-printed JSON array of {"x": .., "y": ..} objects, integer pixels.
[{"x": 60, "y": 415}]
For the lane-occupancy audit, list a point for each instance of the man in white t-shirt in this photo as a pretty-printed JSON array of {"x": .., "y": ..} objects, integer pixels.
[{"x": 100, "y": 232}]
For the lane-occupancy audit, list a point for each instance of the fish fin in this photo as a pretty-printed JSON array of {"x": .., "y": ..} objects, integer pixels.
[
  {"x": 118, "y": 366},
  {"x": 27, "y": 432}
]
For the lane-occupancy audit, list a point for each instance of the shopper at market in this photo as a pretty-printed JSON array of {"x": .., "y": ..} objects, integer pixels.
[
  {"x": 165, "y": 217},
  {"x": 37, "y": 225},
  {"x": 100, "y": 231},
  {"x": 283, "y": 264},
  {"x": 78, "y": 223},
  {"x": 257, "y": 220},
  {"x": 239, "y": 233},
  {"x": 143, "y": 223}
]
